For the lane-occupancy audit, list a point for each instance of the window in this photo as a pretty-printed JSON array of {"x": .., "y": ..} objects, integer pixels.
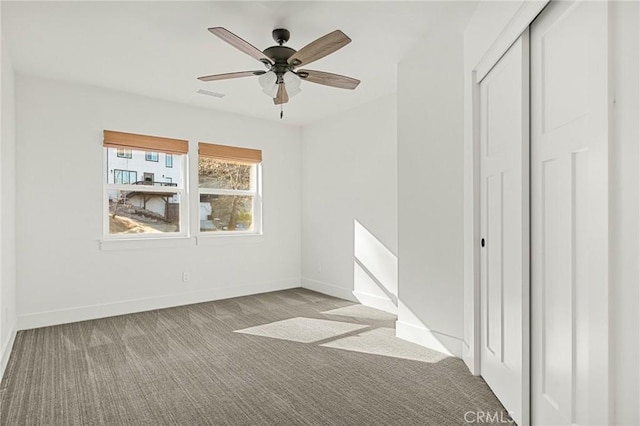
[
  {"x": 168, "y": 160},
  {"x": 125, "y": 176},
  {"x": 143, "y": 208},
  {"x": 124, "y": 153},
  {"x": 229, "y": 187},
  {"x": 151, "y": 156}
]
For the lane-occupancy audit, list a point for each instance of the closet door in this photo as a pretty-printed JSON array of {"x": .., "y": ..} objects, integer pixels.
[
  {"x": 504, "y": 225},
  {"x": 569, "y": 187}
]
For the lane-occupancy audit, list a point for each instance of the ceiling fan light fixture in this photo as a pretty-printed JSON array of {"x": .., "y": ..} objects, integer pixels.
[
  {"x": 292, "y": 83},
  {"x": 268, "y": 81},
  {"x": 291, "y": 80},
  {"x": 292, "y": 92},
  {"x": 272, "y": 91}
]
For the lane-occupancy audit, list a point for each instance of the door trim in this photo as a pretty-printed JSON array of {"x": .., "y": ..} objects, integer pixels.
[
  {"x": 525, "y": 403},
  {"x": 520, "y": 21},
  {"x": 517, "y": 26}
]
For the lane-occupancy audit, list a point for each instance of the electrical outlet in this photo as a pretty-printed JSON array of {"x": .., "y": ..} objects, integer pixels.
[{"x": 185, "y": 277}]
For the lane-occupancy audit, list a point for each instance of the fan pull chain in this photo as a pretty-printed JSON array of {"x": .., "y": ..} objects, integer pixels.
[{"x": 281, "y": 112}]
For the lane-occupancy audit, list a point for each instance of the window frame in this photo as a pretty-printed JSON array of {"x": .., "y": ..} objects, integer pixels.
[
  {"x": 147, "y": 155},
  {"x": 189, "y": 233},
  {"x": 168, "y": 161},
  {"x": 255, "y": 191},
  {"x": 181, "y": 191},
  {"x": 123, "y": 170},
  {"x": 126, "y": 153}
]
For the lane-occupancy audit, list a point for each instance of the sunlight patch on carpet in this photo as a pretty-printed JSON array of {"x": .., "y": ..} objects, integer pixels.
[
  {"x": 383, "y": 341},
  {"x": 362, "y": 312},
  {"x": 303, "y": 330}
]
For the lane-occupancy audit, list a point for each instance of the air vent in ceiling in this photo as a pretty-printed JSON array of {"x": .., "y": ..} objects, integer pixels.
[{"x": 210, "y": 93}]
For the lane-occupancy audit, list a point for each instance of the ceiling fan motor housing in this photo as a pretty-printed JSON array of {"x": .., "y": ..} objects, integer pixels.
[
  {"x": 281, "y": 35},
  {"x": 279, "y": 55}
]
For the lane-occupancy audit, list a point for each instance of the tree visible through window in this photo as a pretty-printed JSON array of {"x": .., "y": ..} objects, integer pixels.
[
  {"x": 229, "y": 196},
  {"x": 228, "y": 212}
]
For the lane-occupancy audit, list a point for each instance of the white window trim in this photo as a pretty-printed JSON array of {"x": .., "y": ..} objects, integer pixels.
[
  {"x": 190, "y": 234},
  {"x": 146, "y": 243},
  {"x": 256, "y": 193},
  {"x": 128, "y": 238}
]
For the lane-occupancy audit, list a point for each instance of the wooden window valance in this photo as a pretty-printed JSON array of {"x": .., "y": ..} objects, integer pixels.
[
  {"x": 230, "y": 153},
  {"x": 121, "y": 140}
]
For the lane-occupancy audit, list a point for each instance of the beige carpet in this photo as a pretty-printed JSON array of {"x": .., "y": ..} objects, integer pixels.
[{"x": 293, "y": 357}]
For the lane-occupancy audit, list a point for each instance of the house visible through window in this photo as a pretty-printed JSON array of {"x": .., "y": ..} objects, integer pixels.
[
  {"x": 124, "y": 153},
  {"x": 137, "y": 202},
  {"x": 229, "y": 187},
  {"x": 146, "y": 198},
  {"x": 151, "y": 156}
]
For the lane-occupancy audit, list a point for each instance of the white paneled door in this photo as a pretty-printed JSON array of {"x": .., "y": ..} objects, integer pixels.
[
  {"x": 504, "y": 226},
  {"x": 569, "y": 250}
]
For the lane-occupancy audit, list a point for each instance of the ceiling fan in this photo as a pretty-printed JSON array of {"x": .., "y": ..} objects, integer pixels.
[{"x": 282, "y": 78}]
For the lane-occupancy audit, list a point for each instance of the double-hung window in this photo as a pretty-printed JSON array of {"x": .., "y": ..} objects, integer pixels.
[
  {"x": 168, "y": 160},
  {"x": 151, "y": 206},
  {"x": 151, "y": 156},
  {"x": 229, "y": 189}
]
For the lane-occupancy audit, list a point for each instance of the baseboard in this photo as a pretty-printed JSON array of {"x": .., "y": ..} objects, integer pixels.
[
  {"x": 83, "y": 313},
  {"x": 429, "y": 338},
  {"x": 469, "y": 358},
  {"x": 377, "y": 302},
  {"x": 329, "y": 289},
  {"x": 6, "y": 353}
]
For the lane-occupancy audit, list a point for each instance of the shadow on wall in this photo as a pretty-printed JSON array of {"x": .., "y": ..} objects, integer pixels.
[
  {"x": 375, "y": 271},
  {"x": 375, "y": 284}
]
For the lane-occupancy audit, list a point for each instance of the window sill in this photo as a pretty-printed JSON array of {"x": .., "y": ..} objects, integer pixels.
[
  {"x": 146, "y": 243},
  {"x": 228, "y": 238}
]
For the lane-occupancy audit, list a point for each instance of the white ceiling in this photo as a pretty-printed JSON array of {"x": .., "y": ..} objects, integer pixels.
[{"x": 158, "y": 48}]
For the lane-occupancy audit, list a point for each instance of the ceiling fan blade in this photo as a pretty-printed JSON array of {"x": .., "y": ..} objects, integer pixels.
[
  {"x": 319, "y": 48},
  {"x": 230, "y": 75},
  {"x": 282, "y": 97},
  {"x": 240, "y": 44},
  {"x": 328, "y": 79}
]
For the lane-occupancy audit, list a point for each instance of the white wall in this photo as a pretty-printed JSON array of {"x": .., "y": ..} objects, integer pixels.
[
  {"x": 64, "y": 276},
  {"x": 349, "y": 205},
  {"x": 8, "y": 311},
  {"x": 430, "y": 143},
  {"x": 624, "y": 244}
]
